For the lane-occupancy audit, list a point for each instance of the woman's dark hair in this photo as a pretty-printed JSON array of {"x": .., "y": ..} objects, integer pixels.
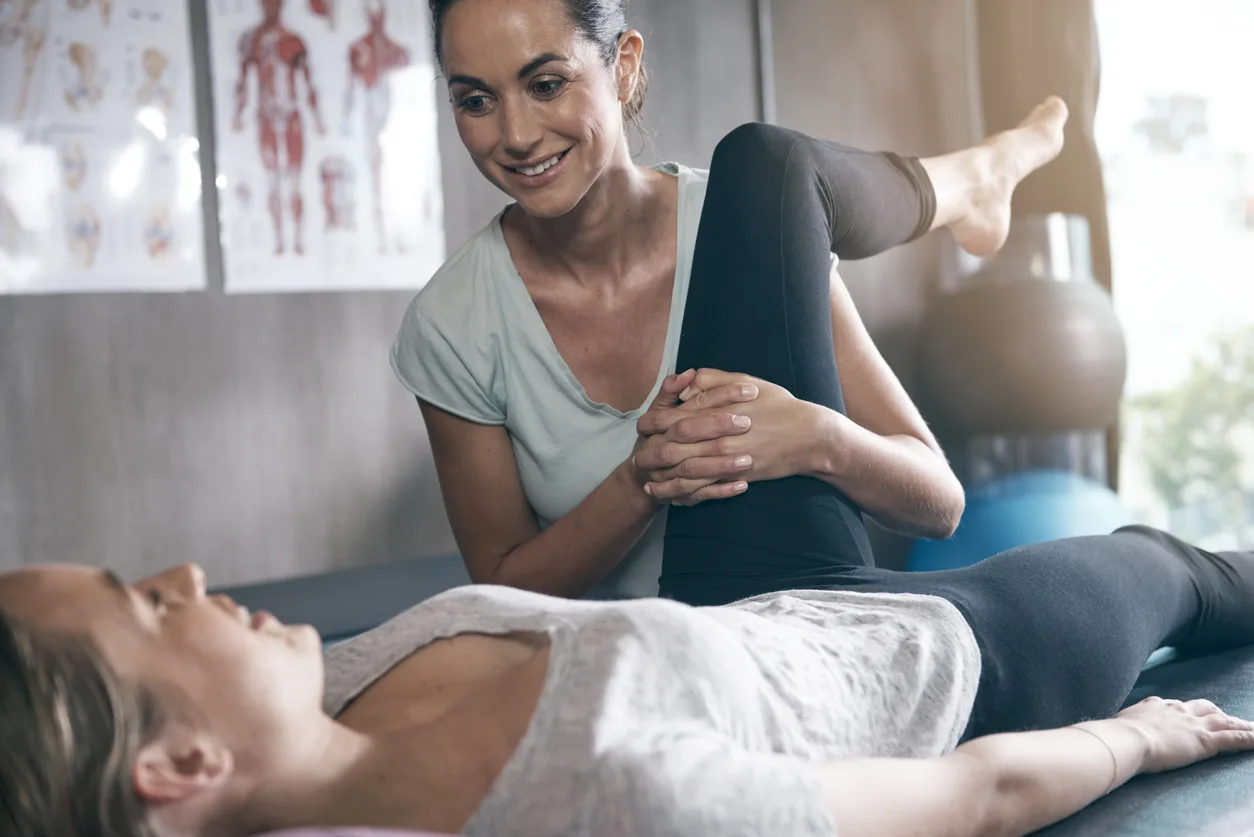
[
  {"x": 71, "y": 731},
  {"x": 601, "y": 22}
]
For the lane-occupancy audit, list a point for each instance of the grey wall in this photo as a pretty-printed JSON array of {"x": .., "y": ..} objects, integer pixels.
[{"x": 264, "y": 436}]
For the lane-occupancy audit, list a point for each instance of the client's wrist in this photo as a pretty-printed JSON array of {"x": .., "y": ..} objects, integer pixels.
[{"x": 1127, "y": 742}]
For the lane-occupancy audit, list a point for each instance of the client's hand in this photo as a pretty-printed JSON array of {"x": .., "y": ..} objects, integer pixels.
[
  {"x": 674, "y": 436},
  {"x": 678, "y": 449},
  {"x": 1178, "y": 734}
]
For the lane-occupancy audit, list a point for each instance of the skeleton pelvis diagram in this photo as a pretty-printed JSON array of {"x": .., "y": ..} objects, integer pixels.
[
  {"x": 85, "y": 86},
  {"x": 159, "y": 233},
  {"x": 155, "y": 89},
  {"x": 83, "y": 231},
  {"x": 73, "y": 166}
]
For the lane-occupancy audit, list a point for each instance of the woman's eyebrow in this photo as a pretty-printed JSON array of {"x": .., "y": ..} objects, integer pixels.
[
  {"x": 538, "y": 62},
  {"x": 527, "y": 69},
  {"x": 113, "y": 580}
]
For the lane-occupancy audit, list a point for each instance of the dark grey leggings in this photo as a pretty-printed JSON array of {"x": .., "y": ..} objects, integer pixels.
[{"x": 1064, "y": 627}]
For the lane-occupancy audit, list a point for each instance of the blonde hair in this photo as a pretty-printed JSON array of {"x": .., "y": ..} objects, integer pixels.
[{"x": 71, "y": 731}]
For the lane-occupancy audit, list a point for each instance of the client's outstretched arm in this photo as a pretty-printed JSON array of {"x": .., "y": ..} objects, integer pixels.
[{"x": 1014, "y": 784}]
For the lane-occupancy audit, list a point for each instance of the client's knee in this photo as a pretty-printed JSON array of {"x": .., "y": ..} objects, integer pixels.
[{"x": 754, "y": 146}]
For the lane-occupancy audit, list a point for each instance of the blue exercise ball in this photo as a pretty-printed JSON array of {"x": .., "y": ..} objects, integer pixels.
[{"x": 1019, "y": 509}]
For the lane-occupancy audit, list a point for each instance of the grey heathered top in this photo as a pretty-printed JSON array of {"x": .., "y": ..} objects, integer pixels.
[{"x": 660, "y": 719}]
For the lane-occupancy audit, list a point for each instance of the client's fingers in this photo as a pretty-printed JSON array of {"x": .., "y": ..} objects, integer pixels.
[
  {"x": 1233, "y": 739},
  {"x": 704, "y": 467},
  {"x": 1219, "y": 722},
  {"x": 1202, "y": 707}
]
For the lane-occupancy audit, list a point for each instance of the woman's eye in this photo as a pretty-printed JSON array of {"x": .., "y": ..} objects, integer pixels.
[
  {"x": 548, "y": 88},
  {"x": 155, "y": 598},
  {"x": 474, "y": 103}
]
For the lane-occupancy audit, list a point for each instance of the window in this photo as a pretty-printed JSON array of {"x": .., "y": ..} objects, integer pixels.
[{"x": 1175, "y": 128}]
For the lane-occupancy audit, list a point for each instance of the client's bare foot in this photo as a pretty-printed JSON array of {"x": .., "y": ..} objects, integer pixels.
[{"x": 996, "y": 166}]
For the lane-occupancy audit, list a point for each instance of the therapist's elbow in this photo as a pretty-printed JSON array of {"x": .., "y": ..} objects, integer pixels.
[
  {"x": 944, "y": 512},
  {"x": 953, "y": 513},
  {"x": 490, "y": 568},
  {"x": 511, "y": 570}
]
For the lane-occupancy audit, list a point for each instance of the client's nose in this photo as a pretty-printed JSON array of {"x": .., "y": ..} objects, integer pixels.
[{"x": 186, "y": 581}]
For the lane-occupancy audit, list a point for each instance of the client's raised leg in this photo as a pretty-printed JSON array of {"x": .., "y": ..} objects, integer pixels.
[{"x": 778, "y": 204}]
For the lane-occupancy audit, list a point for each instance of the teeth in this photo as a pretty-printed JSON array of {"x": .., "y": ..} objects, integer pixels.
[{"x": 533, "y": 171}]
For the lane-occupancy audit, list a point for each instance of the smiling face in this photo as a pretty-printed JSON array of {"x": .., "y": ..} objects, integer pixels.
[
  {"x": 535, "y": 104},
  {"x": 244, "y": 679}
]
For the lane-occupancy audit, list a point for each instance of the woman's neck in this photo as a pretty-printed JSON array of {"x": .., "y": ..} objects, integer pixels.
[
  {"x": 427, "y": 764},
  {"x": 415, "y": 778},
  {"x": 605, "y": 233},
  {"x": 308, "y": 786}
]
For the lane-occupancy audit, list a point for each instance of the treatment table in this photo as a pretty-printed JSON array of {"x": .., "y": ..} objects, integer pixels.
[{"x": 1213, "y": 799}]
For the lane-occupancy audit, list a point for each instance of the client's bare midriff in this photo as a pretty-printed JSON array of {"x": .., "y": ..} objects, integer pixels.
[{"x": 466, "y": 701}]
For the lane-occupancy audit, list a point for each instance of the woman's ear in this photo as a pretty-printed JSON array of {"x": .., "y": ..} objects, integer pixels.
[
  {"x": 179, "y": 765},
  {"x": 630, "y": 59}
]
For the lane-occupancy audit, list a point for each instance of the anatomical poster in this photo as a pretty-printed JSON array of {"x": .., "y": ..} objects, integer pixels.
[
  {"x": 328, "y": 169},
  {"x": 99, "y": 169}
]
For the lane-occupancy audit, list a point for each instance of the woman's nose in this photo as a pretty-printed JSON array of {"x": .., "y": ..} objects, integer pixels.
[
  {"x": 519, "y": 129},
  {"x": 186, "y": 581}
]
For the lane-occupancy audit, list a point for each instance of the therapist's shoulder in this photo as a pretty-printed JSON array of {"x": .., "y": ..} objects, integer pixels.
[
  {"x": 467, "y": 280},
  {"x": 691, "y": 178},
  {"x": 692, "y": 184},
  {"x": 473, "y": 267}
]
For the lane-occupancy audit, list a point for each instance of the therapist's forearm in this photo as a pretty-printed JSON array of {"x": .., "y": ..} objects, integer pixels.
[
  {"x": 899, "y": 480},
  {"x": 581, "y": 548}
]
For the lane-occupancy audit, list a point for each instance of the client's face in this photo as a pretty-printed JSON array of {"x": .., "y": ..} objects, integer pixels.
[{"x": 240, "y": 678}]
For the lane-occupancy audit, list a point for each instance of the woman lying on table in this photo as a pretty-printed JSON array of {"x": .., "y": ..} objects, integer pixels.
[{"x": 151, "y": 710}]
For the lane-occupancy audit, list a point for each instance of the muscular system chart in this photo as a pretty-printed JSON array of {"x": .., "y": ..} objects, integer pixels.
[{"x": 328, "y": 165}]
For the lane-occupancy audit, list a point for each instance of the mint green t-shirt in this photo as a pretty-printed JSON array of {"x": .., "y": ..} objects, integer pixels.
[{"x": 472, "y": 343}]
